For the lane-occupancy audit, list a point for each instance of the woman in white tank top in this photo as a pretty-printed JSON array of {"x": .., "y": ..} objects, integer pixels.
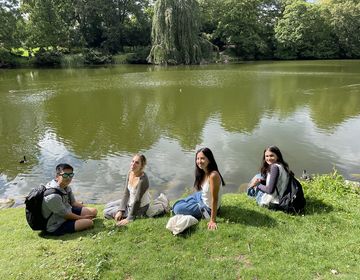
[{"x": 208, "y": 183}]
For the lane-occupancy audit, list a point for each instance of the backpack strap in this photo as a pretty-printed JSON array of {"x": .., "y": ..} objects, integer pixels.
[
  {"x": 277, "y": 191},
  {"x": 287, "y": 184},
  {"x": 52, "y": 191}
]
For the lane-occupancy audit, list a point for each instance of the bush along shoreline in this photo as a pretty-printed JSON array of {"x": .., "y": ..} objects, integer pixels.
[
  {"x": 42, "y": 58},
  {"x": 62, "y": 58},
  {"x": 251, "y": 243}
]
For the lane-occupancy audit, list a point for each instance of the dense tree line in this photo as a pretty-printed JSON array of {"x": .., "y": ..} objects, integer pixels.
[
  {"x": 256, "y": 29},
  {"x": 285, "y": 29}
]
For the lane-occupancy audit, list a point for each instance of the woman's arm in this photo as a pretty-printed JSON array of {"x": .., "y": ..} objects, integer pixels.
[
  {"x": 124, "y": 200},
  {"x": 214, "y": 181},
  {"x": 274, "y": 175}
]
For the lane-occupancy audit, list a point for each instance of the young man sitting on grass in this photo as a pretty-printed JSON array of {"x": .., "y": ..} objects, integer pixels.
[{"x": 64, "y": 213}]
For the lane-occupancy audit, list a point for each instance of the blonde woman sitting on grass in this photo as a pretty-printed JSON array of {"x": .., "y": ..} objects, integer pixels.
[{"x": 136, "y": 198}]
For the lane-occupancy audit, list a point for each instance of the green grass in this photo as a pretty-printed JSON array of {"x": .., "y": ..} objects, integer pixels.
[{"x": 250, "y": 243}]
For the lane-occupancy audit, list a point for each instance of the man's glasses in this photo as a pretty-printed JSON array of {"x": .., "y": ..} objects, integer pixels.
[{"x": 66, "y": 175}]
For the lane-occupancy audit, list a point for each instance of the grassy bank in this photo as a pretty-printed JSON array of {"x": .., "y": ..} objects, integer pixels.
[{"x": 251, "y": 243}]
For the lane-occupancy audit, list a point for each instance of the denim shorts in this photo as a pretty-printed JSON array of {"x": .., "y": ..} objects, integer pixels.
[
  {"x": 192, "y": 205},
  {"x": 69, "y": 225}
]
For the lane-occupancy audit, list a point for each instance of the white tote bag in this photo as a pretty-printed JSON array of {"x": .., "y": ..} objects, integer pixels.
[{"x": 179, "y": 223}]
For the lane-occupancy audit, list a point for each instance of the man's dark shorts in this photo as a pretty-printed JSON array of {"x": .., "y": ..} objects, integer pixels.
[{"x": 68, "y": 226}]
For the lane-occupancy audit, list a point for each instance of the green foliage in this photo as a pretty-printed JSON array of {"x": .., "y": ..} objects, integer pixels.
[
  {"x": 248, "y": 26},
  {"x": 50, "y": 23},
  {"x": 175, "y": 30},
  {"x": 333, "y": 184},
  {"x": 94, "y": 24},
  {"x": 139, "y": 56},
  {"x": 92, "y": 56},
  {"x": 257, "y": 29},
  {"x": 14, "y": 58},
  {"x": 121, "y": 58},
  {"x": 209, "y": 51},
  {"x": 72, "y": 60},
  {"x": 343, "y": 17},
  {"x": 208, "y": 14},
  {"x": 11, "y": 24},
  {"x": 283, "y": 29},
  {"x": 302, "y": 32},
  {"x": 48, "y": 57},
  {"x": 250, "y": 243},
  {"x": 6, "y": 58},
  {"x": 111, "y": 25}
]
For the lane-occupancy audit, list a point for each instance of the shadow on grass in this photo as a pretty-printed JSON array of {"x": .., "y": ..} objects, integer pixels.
[
  {"x": 235, "y": 214},
  {"x": 99, "y": 226},
  {"x": 317, "y": 206}
]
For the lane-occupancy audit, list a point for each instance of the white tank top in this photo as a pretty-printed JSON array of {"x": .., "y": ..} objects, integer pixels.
[
  {"x": 144, "y": 200},
  {"x": 206, "y": 194}
]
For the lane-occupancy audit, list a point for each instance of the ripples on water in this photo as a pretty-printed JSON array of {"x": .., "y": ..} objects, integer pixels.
[{"x": 30, "y": 96}]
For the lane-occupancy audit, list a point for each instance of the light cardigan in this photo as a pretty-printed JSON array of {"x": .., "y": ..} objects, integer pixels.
[{"x": 141, "y": 188}]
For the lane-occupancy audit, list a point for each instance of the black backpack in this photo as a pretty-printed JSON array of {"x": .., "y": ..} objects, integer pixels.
[
  {"x": 293, "y": 200},
  {"x": 33, "y": 203}
]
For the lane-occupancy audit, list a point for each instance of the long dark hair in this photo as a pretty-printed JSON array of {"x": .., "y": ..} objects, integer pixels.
[
  {"x": 265, "y": 168},
  {"x": 212, "y": 166}
]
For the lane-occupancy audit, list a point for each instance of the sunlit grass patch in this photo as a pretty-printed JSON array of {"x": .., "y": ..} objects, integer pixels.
[{"x": 250, "y": 243}]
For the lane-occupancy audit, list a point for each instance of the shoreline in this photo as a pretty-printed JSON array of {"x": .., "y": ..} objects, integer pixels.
[{"x": 18, "y": 202}]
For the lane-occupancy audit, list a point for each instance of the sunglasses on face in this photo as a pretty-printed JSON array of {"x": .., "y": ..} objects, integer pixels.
[{"x": 66, "y": 175}]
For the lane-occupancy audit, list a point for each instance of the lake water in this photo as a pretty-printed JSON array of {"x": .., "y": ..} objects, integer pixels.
[{"x": 97, "y": 118}]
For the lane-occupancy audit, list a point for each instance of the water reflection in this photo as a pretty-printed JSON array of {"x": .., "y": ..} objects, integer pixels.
[{"x": 97, "y": 118}]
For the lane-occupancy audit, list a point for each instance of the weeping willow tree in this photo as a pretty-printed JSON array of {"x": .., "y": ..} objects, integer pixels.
[{"x": 175, "y": 34}]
